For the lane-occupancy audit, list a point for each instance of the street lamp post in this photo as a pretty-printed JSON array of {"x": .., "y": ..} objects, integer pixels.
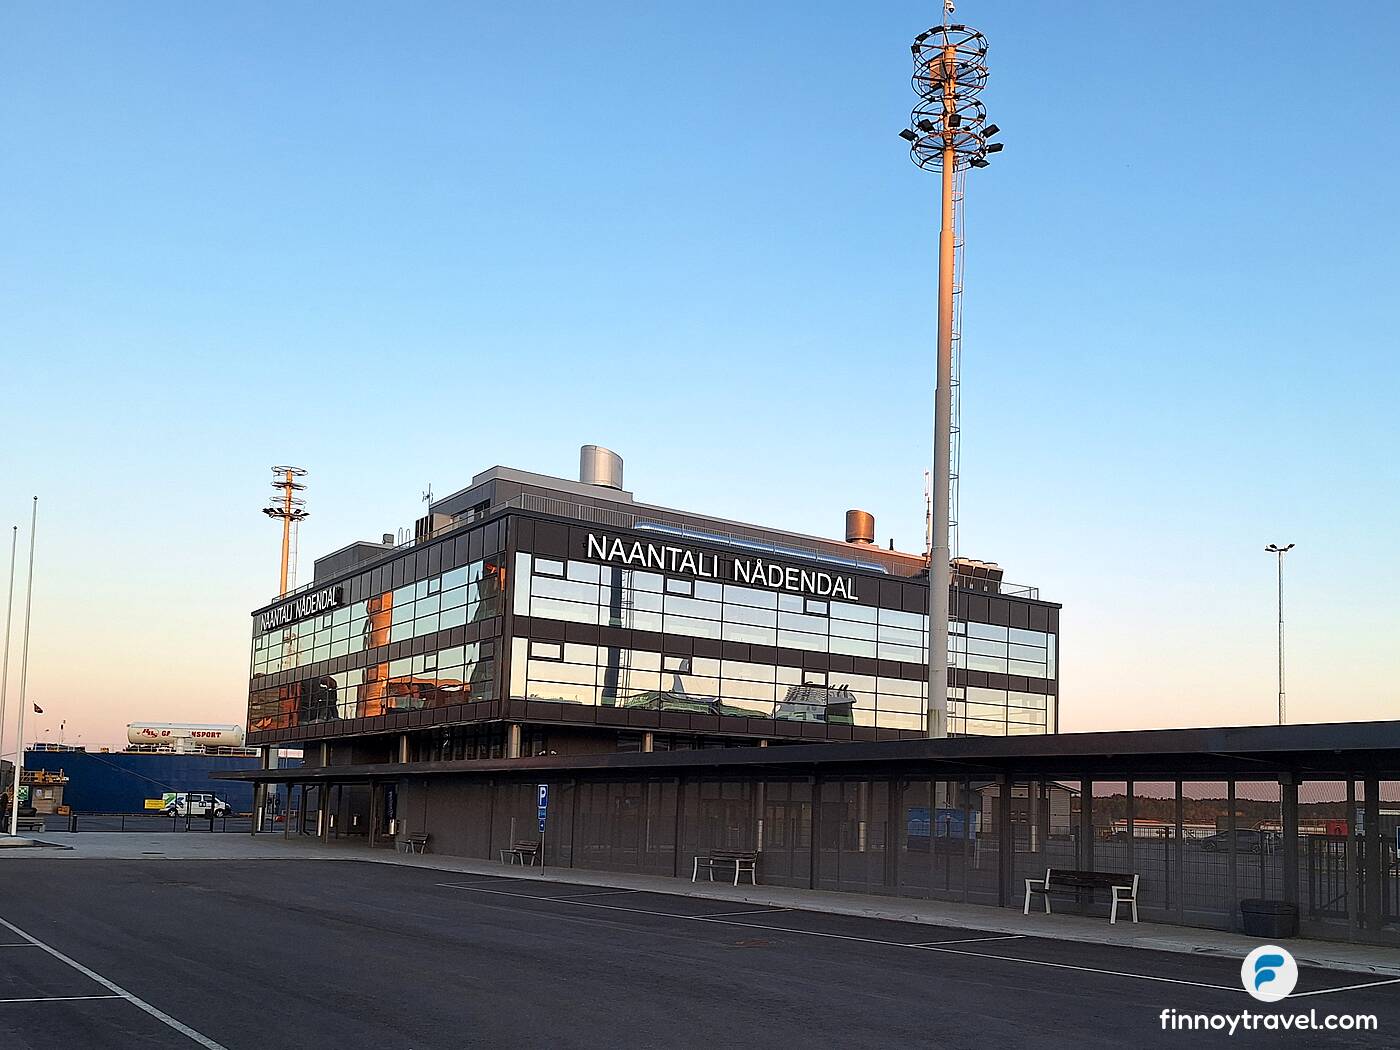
[
  {"x": 23, "y": 673},
  {"x": 5, "y": 664},
  {"x": 1274, "y": 548}
]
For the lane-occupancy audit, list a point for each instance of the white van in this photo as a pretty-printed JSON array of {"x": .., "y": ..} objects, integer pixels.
[{"x": 195, "y": 804}]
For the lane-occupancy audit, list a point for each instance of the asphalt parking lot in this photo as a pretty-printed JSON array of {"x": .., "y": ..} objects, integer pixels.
[{"x": 338, "y": 954}]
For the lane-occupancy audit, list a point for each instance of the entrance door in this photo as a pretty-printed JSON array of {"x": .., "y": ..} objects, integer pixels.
[
  {"x": 386, "y": 807},
  {"x": 352, "y": 811}
]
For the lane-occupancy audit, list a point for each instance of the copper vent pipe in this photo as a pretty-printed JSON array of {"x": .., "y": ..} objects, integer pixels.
[{"x": 860, "y": 526}]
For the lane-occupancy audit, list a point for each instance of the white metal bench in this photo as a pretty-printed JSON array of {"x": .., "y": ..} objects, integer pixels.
[
  {"x": 523, "y": 852},
  {"x": 744, "y": 861},
  {"x": 1123, "y": 887}
]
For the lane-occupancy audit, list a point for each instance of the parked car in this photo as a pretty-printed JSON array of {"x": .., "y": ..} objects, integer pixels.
[
  {"x": 196, "y": 804},
  {"x": 1247, "y": 840}
]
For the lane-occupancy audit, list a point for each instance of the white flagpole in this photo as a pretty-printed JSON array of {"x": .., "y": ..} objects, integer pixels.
[
  {"x": 9, "y": 615},
  {"x": 24, "y": 673}
]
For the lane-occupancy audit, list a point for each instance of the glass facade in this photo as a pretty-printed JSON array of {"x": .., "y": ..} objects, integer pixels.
[
  {"x": 892, "y": 696},
  {"x": 463, "y": 595},
  {"x": 429, "y": 680},
  {"x": 425, "y": 629},
  {"x": 399, "y": 643}
]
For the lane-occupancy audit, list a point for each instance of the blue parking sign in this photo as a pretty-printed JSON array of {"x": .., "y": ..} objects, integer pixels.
[{"x": 542, "y": 791}]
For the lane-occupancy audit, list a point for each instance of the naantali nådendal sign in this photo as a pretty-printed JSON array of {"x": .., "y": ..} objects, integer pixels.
[
  {"x": 751, "y": 571},
  {"x": 308, "y": 604}
]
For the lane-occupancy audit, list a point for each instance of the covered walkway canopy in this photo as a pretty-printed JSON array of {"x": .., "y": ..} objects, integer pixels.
[
  {"x": 1324, "y": 749},
  {"x": 1306, "y": 815}
]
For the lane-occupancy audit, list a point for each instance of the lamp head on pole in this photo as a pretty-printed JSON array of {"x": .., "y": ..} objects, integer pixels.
[
  {"x": 1274, "y": 548},
  {"x": 949, "y": 124}
]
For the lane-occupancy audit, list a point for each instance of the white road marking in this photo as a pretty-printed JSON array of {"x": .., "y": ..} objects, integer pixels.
[
  {"x": 970, "y": 940},
  {"x": 870, "y": 940},
  {"x": 1348, "y": 988},
  {"x": 60, "y": 998},
  {"x": 750, "y": 911},
  {"x": 16, "y": 944},
  {"x": 118, "y": 990},
  {"x": 489, "y": 882},
  {"x": 595, "y": 893}
]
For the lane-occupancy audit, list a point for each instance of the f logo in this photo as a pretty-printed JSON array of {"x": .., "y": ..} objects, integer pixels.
[{"x": 1269, "y": 973}]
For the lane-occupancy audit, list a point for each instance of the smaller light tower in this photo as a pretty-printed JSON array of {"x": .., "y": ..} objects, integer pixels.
[
  {"x": 291, "y": 509},
  {"x": 1274, "y": 548}
]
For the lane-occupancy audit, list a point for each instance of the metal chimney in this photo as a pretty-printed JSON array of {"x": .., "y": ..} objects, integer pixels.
[
  {"x": 600, "y": 466},
  {"x": 860, "y": 526}
]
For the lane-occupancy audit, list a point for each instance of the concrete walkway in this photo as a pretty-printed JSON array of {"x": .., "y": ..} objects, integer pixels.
[
  {"x": 173, "y": 845},
  {"x": 1189, "y": 940}
]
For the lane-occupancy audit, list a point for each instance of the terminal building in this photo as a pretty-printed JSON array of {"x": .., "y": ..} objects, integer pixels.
[
  {"x": 642, "y": 668},
  {"x": 533, "y": 616}
]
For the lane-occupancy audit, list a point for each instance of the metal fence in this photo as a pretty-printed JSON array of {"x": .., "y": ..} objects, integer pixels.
[
  {"x": 78, "y": 823},
  {"x": 1199, "y": 848}
]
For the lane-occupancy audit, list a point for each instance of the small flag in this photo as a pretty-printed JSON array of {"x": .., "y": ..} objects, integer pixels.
[{"x": 38, "y": 710}]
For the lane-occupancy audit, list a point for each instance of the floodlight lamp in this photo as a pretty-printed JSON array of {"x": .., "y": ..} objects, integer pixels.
[
  {"x": 908, "y": 136},
  {"x": 979, "y": 162},
  {"x": 955, "y": 120},
  {"x": 996, "y": 147},
  {"x": 991, "y": 130},
  {"x": 925, "y": 125}
]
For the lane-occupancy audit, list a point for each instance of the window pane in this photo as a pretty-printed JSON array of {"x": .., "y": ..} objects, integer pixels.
[
  {"x": 986, "y": 630},
  {"x": 853, "y": 647},
  {"x": 749, "y": 596},
  {"x": 742, "y": 632},
  {"x": 857, "y": 613}
]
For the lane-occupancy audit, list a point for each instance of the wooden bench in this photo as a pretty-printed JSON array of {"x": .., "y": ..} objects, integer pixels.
[
  {"x": 30, "y": 824},
  {"x": 413, "y": 843},
  {"x": 525, "y": 851},
  {"x": 744, "y": 860},
  {"x": 1123, "y": 888}
]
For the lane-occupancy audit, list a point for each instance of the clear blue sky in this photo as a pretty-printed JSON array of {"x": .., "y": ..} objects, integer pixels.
[{"x": 398, "y": 244}]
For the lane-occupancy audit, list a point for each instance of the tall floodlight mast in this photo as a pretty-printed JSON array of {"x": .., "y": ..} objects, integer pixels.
[
  {"x": 948, "y": 133},
  {"x": 1274, "y": 548},
  {"x": 290, "y": 508}
]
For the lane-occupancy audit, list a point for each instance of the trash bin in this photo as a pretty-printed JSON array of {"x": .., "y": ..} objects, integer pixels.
[{"x": 1267, "y": 918}]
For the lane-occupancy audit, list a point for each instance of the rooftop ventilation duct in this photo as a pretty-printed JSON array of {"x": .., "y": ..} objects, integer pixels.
[
  {"x": 600, "y": 466},
  {"x": 429, "y": 525},
  {"x": 974, "y": 575},
  {"x": 860, "y": 526}
]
